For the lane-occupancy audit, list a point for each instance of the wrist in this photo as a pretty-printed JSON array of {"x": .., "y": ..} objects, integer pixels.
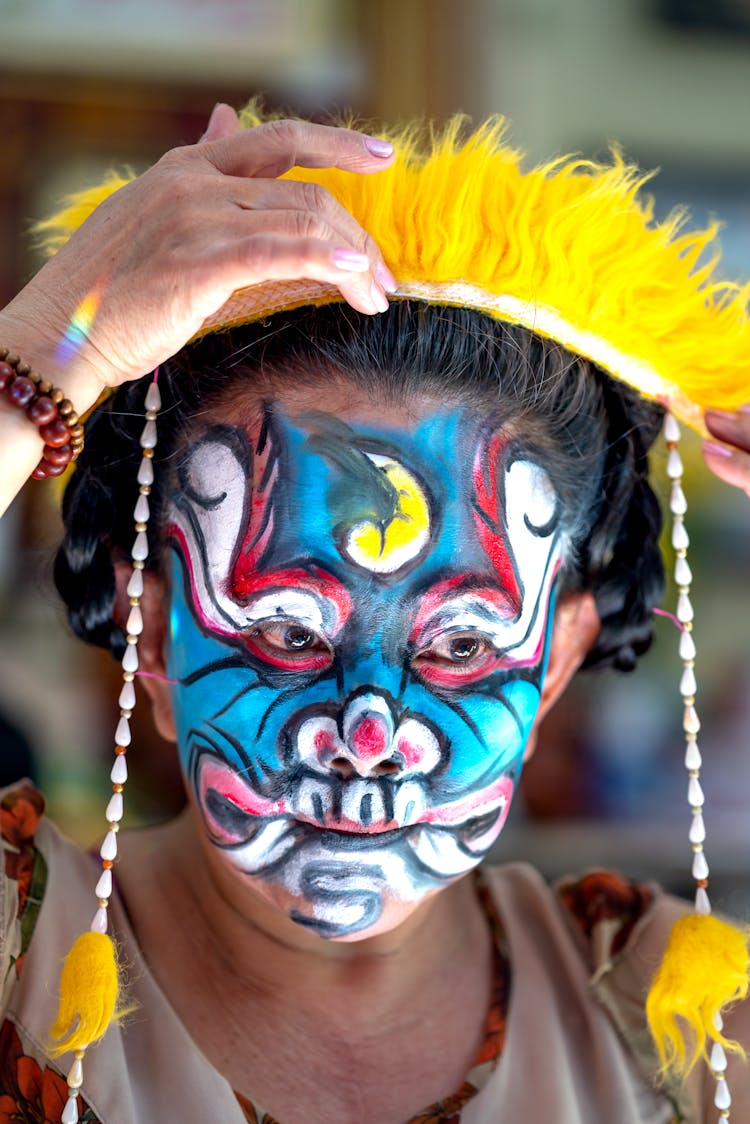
[{"x": 41, "y": 350}]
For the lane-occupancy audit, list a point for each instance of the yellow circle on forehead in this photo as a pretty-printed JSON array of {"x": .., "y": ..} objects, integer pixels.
[{"x": 385, "y": 549}]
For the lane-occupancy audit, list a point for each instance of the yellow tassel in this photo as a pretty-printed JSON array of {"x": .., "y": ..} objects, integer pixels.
[
  {"x": 705, "y": 968},
  {"x": 88, "y": 993}
]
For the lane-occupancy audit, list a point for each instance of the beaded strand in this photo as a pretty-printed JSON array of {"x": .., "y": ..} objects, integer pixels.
[
  {"x": 126, "y": 702},
  {"x": 691, "y": 723}
]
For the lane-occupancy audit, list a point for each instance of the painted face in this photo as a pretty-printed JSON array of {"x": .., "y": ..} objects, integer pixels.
[{"x": 359, "y": 623}]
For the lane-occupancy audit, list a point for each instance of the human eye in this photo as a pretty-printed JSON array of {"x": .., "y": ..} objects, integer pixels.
[
  {"x": 455, "y": 657},
  {"x": 289, "y": 645}
]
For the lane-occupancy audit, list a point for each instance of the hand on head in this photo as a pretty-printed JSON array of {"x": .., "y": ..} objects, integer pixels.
[{"x": 165, "y": 252}]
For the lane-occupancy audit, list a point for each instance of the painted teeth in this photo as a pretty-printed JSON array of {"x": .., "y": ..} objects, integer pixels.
[
  {"x": 362, "y": 802},
  {"x": 269, "y": 844},
  {"x": 313, "y": 799},
  {"x": 408, "y": 804},
  {"x": 440, "y": 852}
]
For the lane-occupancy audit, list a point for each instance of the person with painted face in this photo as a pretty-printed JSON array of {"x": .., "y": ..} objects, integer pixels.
[{"x": 382, "y": 537}]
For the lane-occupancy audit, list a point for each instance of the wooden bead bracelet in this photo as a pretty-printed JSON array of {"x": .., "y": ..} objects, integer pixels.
[{"x": 47, "y": 407}]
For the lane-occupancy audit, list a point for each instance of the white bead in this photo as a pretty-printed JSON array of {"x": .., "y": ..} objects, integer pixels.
[
  {"x": 75, "y": 1074},
  {"x": 148, "y": 436},
  {"x": 134, "y": 627},
  {"x": 718, "y": 1058},
  {"x": 683, "y": 575},
  {"x": 130, "y": 659},
  {"x": 119, "y": 772},
  {"x": 702, "y": 904},
  {"x": 700, "y": 866},
  {"x": 674, "y": 465},
  {"x": 139, "y": 553},
  {"x": 688, "y": 685},
  {"x": 677, "y": 501},
  {"x": 687, "y": 646},
  {"x": 696, "y": 799},
  {"x": 691, "y": 723},
  {"x": 693, "y": 759},
  {"x": 109, "y": 847},
  {"x": 671, "y": 428},
  {"x": 99, "y": 922},
  {"x": 114, "y": 810},
  {"x": 135, "y": 585},
  {"x": 70, "y": 1112},
  {"x": 722, "y": 1098},
  {"x": 104, "y": 885},
  {"x": 718, "y": 1022},
  {"x": 146, "y": 472},
  {"x": 126, "y": 700},
  {"x": 141, "y": 513},
  {"x": 122, "y": 733},
  {"x": 153, "y": 397},
  {"x": 680, "y": 540},
  {"x": 697, "y": 833},
  {"x": 685, "y": 612}
]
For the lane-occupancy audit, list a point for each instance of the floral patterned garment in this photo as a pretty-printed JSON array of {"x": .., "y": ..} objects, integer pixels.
[{"x": 603, "y": 905}]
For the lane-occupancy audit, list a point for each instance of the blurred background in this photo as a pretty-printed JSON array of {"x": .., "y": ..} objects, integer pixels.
[{"x": 87, "y": 85}]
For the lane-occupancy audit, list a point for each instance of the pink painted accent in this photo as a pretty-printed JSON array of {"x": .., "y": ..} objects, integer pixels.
[
  {"x": 369, "y": 739},
  {"x": 487, "y": 497},
  {"x": 323, "y": 742},
  {"x": 412, "y": 753},
  {"x": 156, "y": 675},
  {"x": 475, "y": 804},
  {"x": 227, "y": 782}
]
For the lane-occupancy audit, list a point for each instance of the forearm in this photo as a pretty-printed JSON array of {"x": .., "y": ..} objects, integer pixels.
[{"x": 20, "y": 443}]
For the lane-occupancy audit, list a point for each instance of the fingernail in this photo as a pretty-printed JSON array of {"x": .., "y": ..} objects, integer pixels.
[
  {"x": 385, "y": 277},
  {"x": 715, "y": 450},
  {"x": 350, "y": 260},
  {"x": 378, "y": 147},
  {"x": 379, "y": 298}
]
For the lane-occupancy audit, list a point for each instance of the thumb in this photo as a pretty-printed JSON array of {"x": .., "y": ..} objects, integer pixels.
[{"x": 222, "y": 123}]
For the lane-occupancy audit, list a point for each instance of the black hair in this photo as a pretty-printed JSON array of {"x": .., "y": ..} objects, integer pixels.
[{"x": 592, "y": 433}]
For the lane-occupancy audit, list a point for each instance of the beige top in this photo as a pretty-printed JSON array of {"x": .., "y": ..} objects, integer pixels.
[{"x": 564, "y": 1061}]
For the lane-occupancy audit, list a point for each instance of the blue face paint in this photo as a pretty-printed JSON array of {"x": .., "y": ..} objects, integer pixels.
[{"x": 359, "y": 623}]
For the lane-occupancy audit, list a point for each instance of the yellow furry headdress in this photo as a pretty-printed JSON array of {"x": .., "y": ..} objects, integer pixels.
[{"x": 569, "y": 249}]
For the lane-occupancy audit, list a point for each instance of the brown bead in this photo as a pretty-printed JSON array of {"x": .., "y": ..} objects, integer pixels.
[
  {"x": 72, "y": 419},
  {"x": 7, "y": 374},
  {"x": 56, "y": 394},
  {"x": 41, "y": 411},
  {"x": 22, "y": 368},
  {"x": 56, "y": 433},
  {"x": 65, "y": 407},
  {"x": 21, "y": 391},
  {"x": 45, "y": 386},
  {"x": 56, "y": 469},
  {"x": 57, "y": 454},
  {"x": 76, "y": 428},
  {"x": 13, "y": 359}
]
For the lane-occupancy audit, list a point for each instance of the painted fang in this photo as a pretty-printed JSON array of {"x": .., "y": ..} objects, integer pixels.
[{"x": 360, "y": 620}]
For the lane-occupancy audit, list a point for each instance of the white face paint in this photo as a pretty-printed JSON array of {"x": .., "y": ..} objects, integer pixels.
[{"x": 359, "y": 628}]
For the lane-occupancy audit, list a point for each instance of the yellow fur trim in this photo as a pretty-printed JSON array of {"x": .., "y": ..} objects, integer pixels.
[
  {"x": 569, "y": 249},
  {"x": 88, "y": 993},
  {"x": 705, "y": 968}
]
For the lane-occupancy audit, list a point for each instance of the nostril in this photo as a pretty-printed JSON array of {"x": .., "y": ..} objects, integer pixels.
[
  {"x": 385, "y": 769},
  {"x": 342, "y": 767}
]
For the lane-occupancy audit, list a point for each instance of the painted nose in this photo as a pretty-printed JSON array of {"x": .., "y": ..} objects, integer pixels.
[{"x": 368, "y": 748}]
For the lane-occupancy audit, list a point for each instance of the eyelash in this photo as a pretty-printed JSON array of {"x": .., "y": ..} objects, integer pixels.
[{"x": 273, "y": 642}]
